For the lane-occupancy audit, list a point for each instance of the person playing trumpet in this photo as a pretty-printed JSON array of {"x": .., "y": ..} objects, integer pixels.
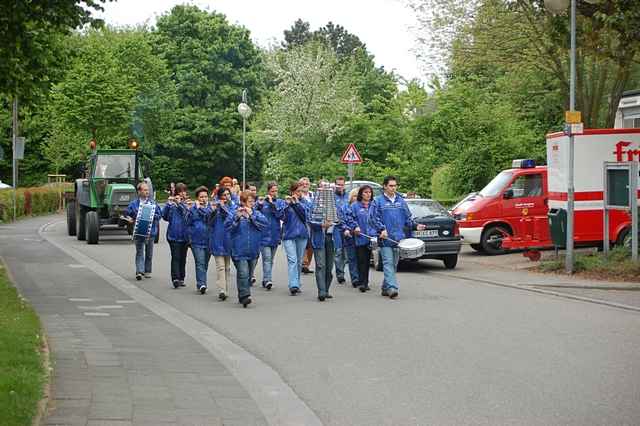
[
  {"x": 175, "y": 212},
  {"x": 220, "y": 240},
  {"x": 198, "y": 221}
]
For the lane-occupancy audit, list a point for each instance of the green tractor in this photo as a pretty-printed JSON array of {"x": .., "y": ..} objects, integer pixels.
[{"x": 100, "y": 200}]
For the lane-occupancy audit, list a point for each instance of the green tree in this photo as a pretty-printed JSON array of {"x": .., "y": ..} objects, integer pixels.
[
  {"x": 30, "y": 32},
  {"x": 211, "y": 62}
]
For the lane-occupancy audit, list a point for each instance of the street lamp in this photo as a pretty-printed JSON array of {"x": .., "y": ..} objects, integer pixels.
[
  {"x": 557, "y": 6},
  {"x": 245, "y": 111}
]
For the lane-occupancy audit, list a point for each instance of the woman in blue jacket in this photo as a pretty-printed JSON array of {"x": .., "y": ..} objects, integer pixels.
[
  {"x": 245, "y": 226},
  {"x": 358, "y": 223},
  {"x": 175, "y": 212},
  {"x": 295, "y": 235},
  {"x": 220, "y": 240},
  {"x": 198, "y": 221},
  {"x": 273, "y": 210}
]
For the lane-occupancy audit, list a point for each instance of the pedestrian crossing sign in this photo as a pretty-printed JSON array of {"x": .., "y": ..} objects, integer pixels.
[{"x": 351, "y": 155}]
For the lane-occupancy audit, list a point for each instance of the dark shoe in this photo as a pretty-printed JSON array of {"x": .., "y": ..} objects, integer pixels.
[
  {"x": 362, "y": 289},
  {"x": 253, "y": 281},
  {"x": 147, "y": 274},
  {"x": 245, "y": 301},
  {"x": 138, "y": 276},
  {"x": 222, "y": 297},
  {"x": 182, "y": 284},
  {"x": 355, "y": 284},
  {"x": 176, "y": 283},
  {"x": 328, "y": 296},
  {"x": 203, "y": 289},
  {"x": 306, "y": 270},
  {"x": 384, "y": 292},
  {"x": 321, "y": 298},
  {"x": 294, "y": 291},
  {"x": 393, "y": 294},
  {"x": 268, "y": 285},
  {"x": 341, "y": 280},
  {"x": 367, "y": 288}
]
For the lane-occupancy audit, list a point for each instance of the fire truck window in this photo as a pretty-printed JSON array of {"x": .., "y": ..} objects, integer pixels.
[{"x": 527, "y": 186}]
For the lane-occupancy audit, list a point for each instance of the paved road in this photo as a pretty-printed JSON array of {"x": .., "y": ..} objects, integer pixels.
[{"x": 448, "y": 351}]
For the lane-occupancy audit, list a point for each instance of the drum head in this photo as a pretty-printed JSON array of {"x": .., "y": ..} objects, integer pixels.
[{"x": 410, "y": 243}]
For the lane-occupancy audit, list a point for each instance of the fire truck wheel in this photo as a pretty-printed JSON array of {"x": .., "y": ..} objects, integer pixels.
[
  {"x": 624, "y": 238},
  {"x": 492, "y": 240},
  {"x": 476, "y": 247}
]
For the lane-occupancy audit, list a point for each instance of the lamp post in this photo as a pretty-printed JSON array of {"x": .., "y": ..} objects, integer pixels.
[
  {"x": 245, "y": 111},
  {"x": 557, "y": 6}
]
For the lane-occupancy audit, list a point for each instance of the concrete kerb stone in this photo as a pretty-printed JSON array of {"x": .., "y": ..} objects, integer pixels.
[
  {"x": 276, "y": 400},
  {"x": 535, "y": 289}
]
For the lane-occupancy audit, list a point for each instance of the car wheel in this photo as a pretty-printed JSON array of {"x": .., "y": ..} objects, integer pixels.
[
  {"x": 81, "y": 222},
  {"x": 492, "y": 239},
  {"x": 450, "y": 261},
  {"x": 476, "y": 247},
  {"x": 377, "y": 260},
  {"x": 71, "y": 218},
  {"x": 93, "y": 227}
]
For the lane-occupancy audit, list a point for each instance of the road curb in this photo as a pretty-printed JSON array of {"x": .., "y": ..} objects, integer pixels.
[
  {"x": 277, "y": 401},
  {"x": 541, "y": 291}
]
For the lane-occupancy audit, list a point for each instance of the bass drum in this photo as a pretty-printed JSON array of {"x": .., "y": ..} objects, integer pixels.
[{"x": 411, "y": 248}]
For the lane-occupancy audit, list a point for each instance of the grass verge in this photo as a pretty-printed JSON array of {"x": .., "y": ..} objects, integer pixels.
[
  {"x": 21, "y": 368},
  {"x": 617, "y": 267}
]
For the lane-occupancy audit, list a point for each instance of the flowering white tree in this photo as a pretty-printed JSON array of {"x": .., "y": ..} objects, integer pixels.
[{"x": 312, "y": 94}]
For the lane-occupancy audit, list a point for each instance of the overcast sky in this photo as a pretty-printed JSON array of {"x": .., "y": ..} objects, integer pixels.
[{"x": 385, "y": 26}]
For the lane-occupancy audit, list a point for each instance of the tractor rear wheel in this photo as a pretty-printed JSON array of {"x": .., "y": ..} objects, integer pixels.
[
  {"x": 93, "y": 227},
  {"x": 81, "y": 222},
  {"x": 71, "y": 218}
]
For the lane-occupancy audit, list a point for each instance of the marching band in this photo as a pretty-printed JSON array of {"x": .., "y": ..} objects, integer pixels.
[{"x": 238, "y": 226}]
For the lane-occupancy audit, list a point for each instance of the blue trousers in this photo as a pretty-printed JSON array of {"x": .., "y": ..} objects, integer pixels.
[
  {"x": 268, "y": 254},
  {"x": 144, "y": 254},
  {"x": 201, "y": 257},
  {"x": 295, "y": 251},
  {"x": 390, "y": 257},
  {"x": 243, "y": 277}
]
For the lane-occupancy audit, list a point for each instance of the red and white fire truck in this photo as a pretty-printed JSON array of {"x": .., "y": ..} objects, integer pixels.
[{"x": 511, "y": 211}]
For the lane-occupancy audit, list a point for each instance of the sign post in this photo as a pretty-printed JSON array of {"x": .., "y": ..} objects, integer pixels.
[{"x": 351, "y": 156}]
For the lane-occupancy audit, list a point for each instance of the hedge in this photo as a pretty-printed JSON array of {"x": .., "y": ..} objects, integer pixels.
[{"x": 29, "y": 202}]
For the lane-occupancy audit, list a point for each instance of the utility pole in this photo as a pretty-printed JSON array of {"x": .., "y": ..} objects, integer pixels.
[{"x": 15, "y": 159}]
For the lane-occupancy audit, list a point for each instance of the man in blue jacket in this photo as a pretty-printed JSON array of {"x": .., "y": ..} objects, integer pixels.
[
  {"x": 144, "y": 245},
  {"x": 340, "y": 256},
  {"x": 390, "y": 217}
]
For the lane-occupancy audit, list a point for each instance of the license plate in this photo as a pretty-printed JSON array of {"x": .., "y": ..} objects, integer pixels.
[
  {"x": 427, "y": 233},
  {"x": 123, "y": 198}
]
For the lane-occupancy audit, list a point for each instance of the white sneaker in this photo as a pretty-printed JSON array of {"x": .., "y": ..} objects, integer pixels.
[{"x": 147, "y": 275}]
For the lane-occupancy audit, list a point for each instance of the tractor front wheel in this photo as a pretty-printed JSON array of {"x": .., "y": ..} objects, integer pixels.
[
  {"x": 81, "y": 223},
  {"x": 93, "y": 227}
]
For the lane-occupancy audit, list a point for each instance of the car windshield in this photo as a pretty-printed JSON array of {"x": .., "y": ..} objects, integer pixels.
[
  {"x": 496, "y": 185},
  {"x": 377, "y": 190},
  {"x": 426, "y": 208},
  {"x": 115, "y": 166}
]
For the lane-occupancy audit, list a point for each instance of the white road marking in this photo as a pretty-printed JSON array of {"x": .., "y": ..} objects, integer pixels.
[
  {"x": 79, "y": 299},
  {"x": 125, "y": 301},
  {"x": 96, "y": 314},
  {"x": 76, "y": 266}
]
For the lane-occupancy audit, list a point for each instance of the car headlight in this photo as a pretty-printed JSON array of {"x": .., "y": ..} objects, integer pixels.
[{"x": 463, "y": 216}]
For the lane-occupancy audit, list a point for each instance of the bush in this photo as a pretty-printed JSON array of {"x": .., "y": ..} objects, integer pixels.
[{"x": 29, "y": 202}]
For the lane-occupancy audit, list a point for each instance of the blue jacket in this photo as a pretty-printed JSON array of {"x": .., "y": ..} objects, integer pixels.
[
  {"x": 295, "y": 221},
  {"x": 274, "y": 213},
  {"x": 246, "y": 235},
  {"x": 219, "y": 237},
  {"x": 341, "y": 199},
  {"x": 394, "y": 216},
  {"x": 359, "y": 217},
  {"x": 176, "y": 215},
  {"x": 198, "y": 222},
  {"x": 132, "y": 211}
]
